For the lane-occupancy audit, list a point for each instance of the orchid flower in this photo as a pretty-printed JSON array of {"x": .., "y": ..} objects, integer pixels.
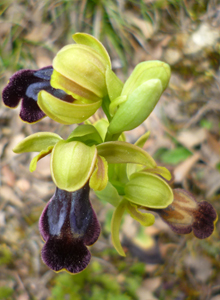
[
  {"x": 97, "y": 156},
  {"x": 68, "y": 92}
]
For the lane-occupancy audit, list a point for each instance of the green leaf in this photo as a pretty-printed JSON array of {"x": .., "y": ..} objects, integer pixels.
[
  {"x": 123, "y": 152},
  {"x": 114, "y": 84},
  {"x": 148, "y": 190},
  {"x": 175, "y": 156},
  {"x": 86, "y": 134},
  {"x": 72, "y": 164},
  {"x": 6, "y": 256},
  {"x": 5, "y": 292},
  {"x": 109, "y": 194},
  {"x": 37, "y": 142},
  {"x": 115, "y": 226},
  {"x": 218, "y": 166},
  {"x": 206, "y": 124}
]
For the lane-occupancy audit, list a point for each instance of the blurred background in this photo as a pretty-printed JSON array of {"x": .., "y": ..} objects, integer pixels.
[{"x": 185, "y": 137}]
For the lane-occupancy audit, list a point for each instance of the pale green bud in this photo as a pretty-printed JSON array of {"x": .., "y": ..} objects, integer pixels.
[
  {"x": 145, "y": 71},
  {"x": 139, "y": 96}
]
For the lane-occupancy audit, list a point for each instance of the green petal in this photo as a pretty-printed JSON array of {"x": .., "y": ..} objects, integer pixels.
[
  {"x": 72, "y": 88},
  {"x": 99, "y": 178},
  {"x": 162, "y": 171},
  {"x": 72, "y": 164},
  {"x": 64, "y": 112},
  {"x": 87, "y": 134},
  {"x": 114, "y": 84},
  {"x": 109, "y": 194},
  {"x": 145, "y": 71},
  {"x": 42, "y": 154},
  {"x": 148, "y": 190},
  {"x": 115, "y": 226},
  {"x": 145, "y": 219},
  {"x": 89, "y": 40},
  {"x": 37, "y": 142},
  {"x": 137, "y": 108},
  {"x": 122, "y": 152}
]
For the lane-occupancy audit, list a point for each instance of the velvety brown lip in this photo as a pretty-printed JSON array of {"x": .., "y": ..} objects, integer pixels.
[{"x": 68, "y": 224}]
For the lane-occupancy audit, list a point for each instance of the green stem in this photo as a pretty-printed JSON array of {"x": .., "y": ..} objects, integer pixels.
[{"x": 111, "y": 137}]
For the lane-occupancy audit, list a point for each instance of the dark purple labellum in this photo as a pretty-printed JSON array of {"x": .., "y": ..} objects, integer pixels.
[
  {"x": 68, "y": 224},
  {"x": 25, "y": 85}
]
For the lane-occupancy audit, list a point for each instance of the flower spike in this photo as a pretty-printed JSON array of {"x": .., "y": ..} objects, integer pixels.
[{"x": 95, "y": 154}]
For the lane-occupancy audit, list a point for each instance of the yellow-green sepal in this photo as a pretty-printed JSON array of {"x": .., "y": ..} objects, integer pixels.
[
  {"x": 37, "y": 142},
  {"x": 148, "y": 190},
  {"x": 145, "y": 71},
  {"x": 86, "y": 134},
  {"x": 137, "y": 107},
  {"x": 91, "y": 41},
  {"x": 145, "y": 219},
  {"x": 65, "y": 112},
  {"x": 99, "y": 178},
  {"x": 109, "y": 194},
  {"x": 72, "y": 164},
  {"x": 113, "y": 83},
  {"x": 123, "y": 152},
  {"x": 43, "y": 153},
  {"x": 81, "y": 65},
  {"x": 115, "y": 226}
]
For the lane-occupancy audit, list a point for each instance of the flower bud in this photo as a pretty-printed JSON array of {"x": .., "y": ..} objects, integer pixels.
[
  {"x": 147, "y": 70},
  {"x": 139, "y": 96}
]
